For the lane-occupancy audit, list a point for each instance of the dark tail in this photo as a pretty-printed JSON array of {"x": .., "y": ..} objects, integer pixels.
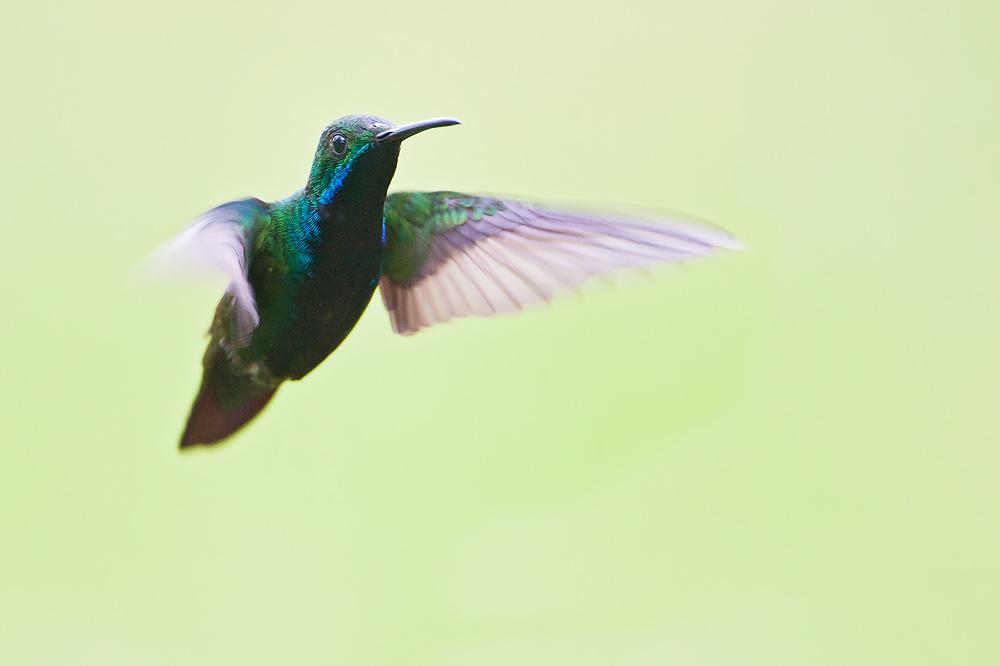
[{"x": 226, "y": 401}]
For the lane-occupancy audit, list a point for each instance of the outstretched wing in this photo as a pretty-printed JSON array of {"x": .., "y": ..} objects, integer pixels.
[
  {"x": 219, "y": 242},
  {"x": 451, "y": 255}
]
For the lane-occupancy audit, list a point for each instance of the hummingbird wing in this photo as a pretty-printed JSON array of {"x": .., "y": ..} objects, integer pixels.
[
  {"x": 450, "y": 255},
  {"x": 219, "y": 242}
]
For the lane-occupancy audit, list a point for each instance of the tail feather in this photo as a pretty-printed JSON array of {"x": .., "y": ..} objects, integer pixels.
[
  {"x": 227, "y": 400},
  {"x": 209, "y": 424}
]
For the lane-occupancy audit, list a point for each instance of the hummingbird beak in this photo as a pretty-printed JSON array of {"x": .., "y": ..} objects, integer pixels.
[{"x": 406, "y": 131}]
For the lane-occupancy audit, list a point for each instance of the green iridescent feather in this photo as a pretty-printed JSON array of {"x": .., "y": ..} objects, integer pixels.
[{"x": 413, "y": 218}]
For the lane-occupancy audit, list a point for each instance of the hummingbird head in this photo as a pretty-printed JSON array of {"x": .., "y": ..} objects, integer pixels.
[{"x": 357, "y": 155}]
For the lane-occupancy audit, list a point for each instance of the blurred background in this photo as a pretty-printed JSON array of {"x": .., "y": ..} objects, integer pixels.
[{"x": 780, "y": 457}]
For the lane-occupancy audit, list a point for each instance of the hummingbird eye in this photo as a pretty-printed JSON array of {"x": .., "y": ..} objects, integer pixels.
[{"x": 338, "y": 144}]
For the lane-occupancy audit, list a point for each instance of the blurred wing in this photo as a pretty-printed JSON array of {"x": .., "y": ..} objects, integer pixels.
[
  {"x": 218, "y": 242},
  {"x": 451, "y": 255}
]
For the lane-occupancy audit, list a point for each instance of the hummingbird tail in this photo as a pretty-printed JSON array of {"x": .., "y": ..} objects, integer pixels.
[
  {"x": 209, "y": 424},
  {"x": 226, "y": 401}
]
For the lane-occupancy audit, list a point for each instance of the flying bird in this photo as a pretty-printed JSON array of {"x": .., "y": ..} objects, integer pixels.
[{"x": 302, "y": 270}]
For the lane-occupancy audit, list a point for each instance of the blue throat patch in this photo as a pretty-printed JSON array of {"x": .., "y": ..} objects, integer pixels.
[{"x": 310, "y": 215}]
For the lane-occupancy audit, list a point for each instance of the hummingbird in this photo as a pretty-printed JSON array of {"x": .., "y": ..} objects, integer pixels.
[{"x": 302, "y": 270}]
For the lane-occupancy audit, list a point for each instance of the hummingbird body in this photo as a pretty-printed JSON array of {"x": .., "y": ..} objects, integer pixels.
[
  {"x": 315, "y": 270},
  {"x": 315, "y": 263},
  {"x": 304, "y": 269}
]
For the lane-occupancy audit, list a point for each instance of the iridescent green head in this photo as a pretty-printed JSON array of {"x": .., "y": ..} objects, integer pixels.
[{"x": 365, "y": 145}]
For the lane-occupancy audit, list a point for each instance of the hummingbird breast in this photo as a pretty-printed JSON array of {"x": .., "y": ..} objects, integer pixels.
[
  {"x": 311, "y": 295},
  {"x": 331, "y": 295}
]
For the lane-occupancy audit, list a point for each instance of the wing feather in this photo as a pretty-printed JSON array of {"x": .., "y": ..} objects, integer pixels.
[
  {"x": 485, "y": 256},
  {"x": 219, "y": 242}
]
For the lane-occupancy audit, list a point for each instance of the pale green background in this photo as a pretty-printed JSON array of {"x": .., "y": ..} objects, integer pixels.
[{"x": 788, "y": 456}]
